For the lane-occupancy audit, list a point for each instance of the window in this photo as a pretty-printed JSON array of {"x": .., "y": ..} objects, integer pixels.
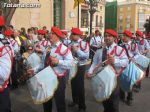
[
  {"x": 121, "y": 9},
  {"x": 57, "y": 13},
  {"x": 129, "y": 8},
  {"x": 101, "y": 8},
  {"x": 128, "y": 26},
  {"x": 84, "y": 18}
]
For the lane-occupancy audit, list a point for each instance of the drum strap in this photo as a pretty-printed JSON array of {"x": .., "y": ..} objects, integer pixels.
[
  {"x": 104, "y": 54},
  {"x": 126, "y": 50}
]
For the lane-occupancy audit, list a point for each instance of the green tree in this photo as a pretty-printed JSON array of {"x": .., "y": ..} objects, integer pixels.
[
  {"x": 147, "y": 25},
  {"x": 7, "y": 12}
]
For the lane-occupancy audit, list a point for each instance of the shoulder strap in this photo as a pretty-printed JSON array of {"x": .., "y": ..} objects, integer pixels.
[
  {"x": 58, "y": 50},
  {"x": 104, "y": 54},
  {"x": 126, "y": 50},
  {"x": 95, "y": 40}
]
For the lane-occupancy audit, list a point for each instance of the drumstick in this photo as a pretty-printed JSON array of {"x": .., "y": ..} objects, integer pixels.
[{"x": 98, "y": 66}]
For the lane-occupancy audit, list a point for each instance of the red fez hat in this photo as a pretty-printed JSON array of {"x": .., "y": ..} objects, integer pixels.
[
  {"x": 127, "y": 33},
  {"x": 111, "y": 32},
  {"x": 64, "y": 32},
  {"x": 8, "y": 32},
  {"x": 41, "y": 32},
  {"x": 76, "y": 31},
  {"x": 2, "y": 22},
  {"x": 139, "y": 33},
  {"x": 57, "y": 31}
]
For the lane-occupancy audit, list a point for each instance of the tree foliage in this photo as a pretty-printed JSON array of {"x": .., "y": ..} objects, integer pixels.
[
  {"x": 147, "y": 25},
  {"x": 7, "y": 12}
]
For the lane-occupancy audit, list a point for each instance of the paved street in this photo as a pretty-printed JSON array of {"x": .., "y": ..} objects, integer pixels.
[{"x": 22, "y": 102}]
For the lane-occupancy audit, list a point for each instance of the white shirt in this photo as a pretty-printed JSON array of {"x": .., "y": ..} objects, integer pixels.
[
  {"x": 65, "y": 62},
  {"x": 120, "y": 61},
  {"x": 132, "y": 49},
  {"x": 96, "y": 41},
  {"x": 143, "y": 45},
  {"x": 5, "y": 64}
]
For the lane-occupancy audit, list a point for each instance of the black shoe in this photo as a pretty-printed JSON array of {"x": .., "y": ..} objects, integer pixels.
[
  {"x": 81, "y": 110},
  {"x": 72, "y": 104},
  {"x": 129, "y": 102}
]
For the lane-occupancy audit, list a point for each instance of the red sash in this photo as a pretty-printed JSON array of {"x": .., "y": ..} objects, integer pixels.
[
  {"x": 58, "y": 51},
  {"x": 81, "y": 47},
  {"x": 114, "y": 51}
]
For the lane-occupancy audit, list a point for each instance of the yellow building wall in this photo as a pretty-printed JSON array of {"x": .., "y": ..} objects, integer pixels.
[
  {"x": 134, "y": 14},
  {"x": 71, "y": 15},
  {"x": 36, "y": 17}
]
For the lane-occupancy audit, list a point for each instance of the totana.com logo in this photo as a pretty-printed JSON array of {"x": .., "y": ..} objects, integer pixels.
[{"x": 20, "y": 5}]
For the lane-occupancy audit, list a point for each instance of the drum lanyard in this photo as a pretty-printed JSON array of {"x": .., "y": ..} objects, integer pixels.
[
  {"x": 114, "y": 51},
  {"x": 58, "y": 50}
]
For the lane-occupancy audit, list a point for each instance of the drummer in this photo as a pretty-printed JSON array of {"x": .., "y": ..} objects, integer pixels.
[
  {"x": 144, "y": 48},
  {"x": 80, "y": 51},
  {"x": 117, "y": 59},
  {"x": 5, "y": 70},
  {"x": 42, "y": 41},
  {"x": 65, "y": 40},
  {"x": 132, "y": 53},
  {"x": 60, "y": 59}
]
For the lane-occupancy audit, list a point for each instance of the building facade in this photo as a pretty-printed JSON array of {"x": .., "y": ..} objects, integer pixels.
[
  {"x": 59, "y": 13},
  {"x": 98, "y": 22},
  {"x": 132, "y": 14}
]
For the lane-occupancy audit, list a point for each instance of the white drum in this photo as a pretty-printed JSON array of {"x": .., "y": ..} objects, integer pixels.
[
  {"x": 131, "y": 75},
  {"x": 73, "y": 70},
  {"x": 104, "y": 83},
  {"x": 142, "y": 61},
  {"x": 42, "y": 86},
  {"x": 148, "y": 55},
  {"x": 33, "y": 60}
]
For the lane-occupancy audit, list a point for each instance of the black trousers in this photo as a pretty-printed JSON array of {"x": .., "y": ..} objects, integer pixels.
[
  {"x": 59, "y": 97},
  {"x": 147, "y": 71},
  {"x": 92, "y": 52},
  {"x": 112, "y": 104},
  {"x": 123, "y": 95},
  {"x": 78, "y": 91},
  {"x": 5, "y": 105},
  {"x": 14, "y": 74}
]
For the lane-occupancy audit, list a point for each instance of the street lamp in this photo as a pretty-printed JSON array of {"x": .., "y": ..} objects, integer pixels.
[{"x": 93, "y": 8}]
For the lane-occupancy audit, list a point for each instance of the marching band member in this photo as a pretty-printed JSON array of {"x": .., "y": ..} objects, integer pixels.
[
  {"x": 95, "y": 43},
  {"x": 132, "y": 53},
  {"x": 65, "y": 40},
  {"x": 5, "y": 70},
  {"x": 144, "y": 48},
  {"x": 143, "y": 45},
  {"x": 60, "y": 59},
  {"x": 15, "y": 49},
  {"x": 43, "y": 42},
  {"x": 13, "y": 43},
  {"x": 80, "y": 50},
  {"x": 39, "y": 46},
  {"x": 116, "y": 56}
]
